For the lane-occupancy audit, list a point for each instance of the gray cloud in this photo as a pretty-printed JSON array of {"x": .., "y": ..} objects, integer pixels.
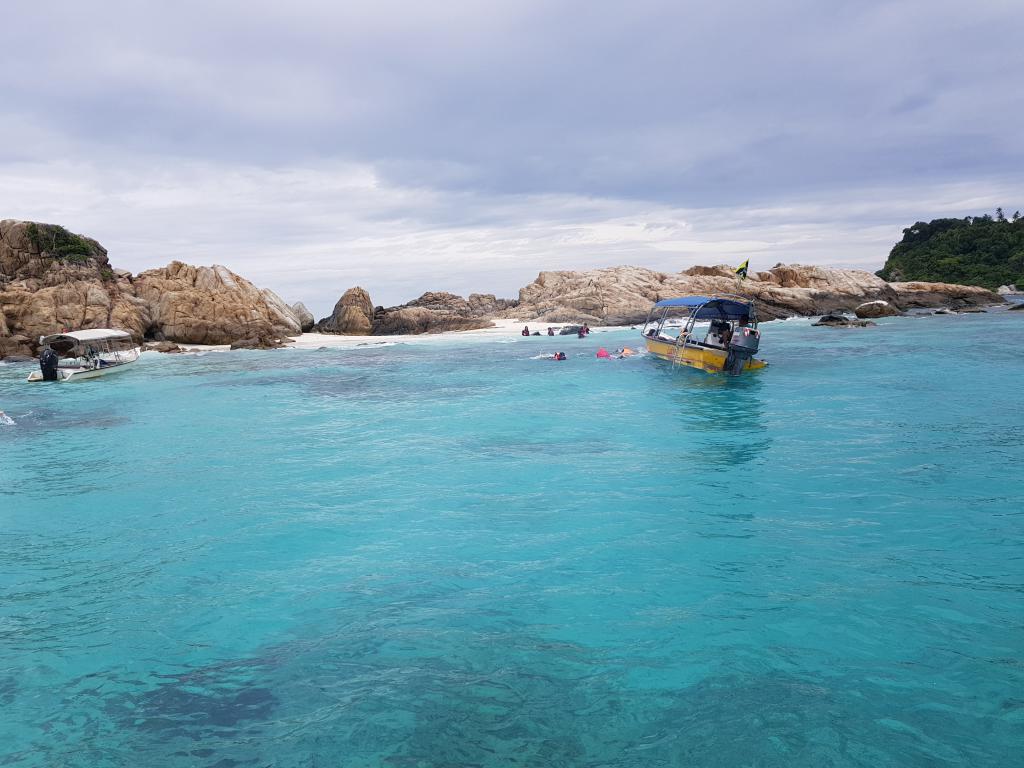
[{"x": 465, "y": 136}]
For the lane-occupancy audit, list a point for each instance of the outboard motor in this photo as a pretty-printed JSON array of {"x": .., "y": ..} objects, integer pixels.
[
  {"x": 742, "y": 347},
  {"x": 48, "y": 360}
]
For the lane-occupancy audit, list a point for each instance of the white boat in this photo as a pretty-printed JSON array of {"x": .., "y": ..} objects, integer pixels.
[{"x": 84, "y": 354}]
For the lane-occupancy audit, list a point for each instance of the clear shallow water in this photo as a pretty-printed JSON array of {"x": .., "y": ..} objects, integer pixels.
[{"x": 453, "y": 554}]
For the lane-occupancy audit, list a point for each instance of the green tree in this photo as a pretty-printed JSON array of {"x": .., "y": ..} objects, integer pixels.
[{"x": 975, "y": 250}]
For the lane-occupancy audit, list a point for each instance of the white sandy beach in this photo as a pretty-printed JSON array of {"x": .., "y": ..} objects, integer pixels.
[{"x": 501, "y": 329}]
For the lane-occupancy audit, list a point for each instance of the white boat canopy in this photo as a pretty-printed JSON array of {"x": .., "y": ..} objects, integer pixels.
[{"x": 66, "y": 343}]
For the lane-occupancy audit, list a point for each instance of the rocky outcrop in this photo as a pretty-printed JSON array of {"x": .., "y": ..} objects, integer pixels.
[
  {"x": 624, "y": 295},
  {"x": 842, "y": 321},
  {"x": 438, "y": 311},
  {"x": 352, "y": 315},
  {"x": 303, "y": 316},
  {"x": 168, "y": 347},
  {"x": 415, "y": 320},
  {"x": 917, "y": 294},
  {"x": 487, "y": 305},
  {"x": 51, "y": 279},
  {"x": 433, "y": 312},
  {"x": 211, "y": 305},
  {"x": 477, "y": 305},
  {"x": 258, "y": 342},
  {"x": 876, "y": 309}
]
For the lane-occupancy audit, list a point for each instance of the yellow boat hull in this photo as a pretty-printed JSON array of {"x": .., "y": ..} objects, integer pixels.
[{"x": 695, "y": 356}]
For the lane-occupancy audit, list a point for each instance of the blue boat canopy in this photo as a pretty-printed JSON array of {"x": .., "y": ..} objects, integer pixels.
[{"x": 711, "y": 308}]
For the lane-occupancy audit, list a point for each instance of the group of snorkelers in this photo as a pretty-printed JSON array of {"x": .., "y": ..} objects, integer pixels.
[
  {"x": 582, "y": 332},
  {"x": 602, "y": 354}
]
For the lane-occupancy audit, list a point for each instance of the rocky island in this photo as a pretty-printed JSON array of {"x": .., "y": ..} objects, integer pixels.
[
  {"x": 982, "y": 250},
  {"x": 624, "y": 295},
  {"x": 51, "y": 279}
]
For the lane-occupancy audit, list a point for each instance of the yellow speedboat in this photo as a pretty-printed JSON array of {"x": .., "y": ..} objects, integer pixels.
[{"x": 727, "y": 346}]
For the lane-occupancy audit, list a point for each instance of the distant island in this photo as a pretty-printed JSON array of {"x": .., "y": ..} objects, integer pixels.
[
  {"x": 51, "y": 278},
  {"x": 987, "y": 251}
]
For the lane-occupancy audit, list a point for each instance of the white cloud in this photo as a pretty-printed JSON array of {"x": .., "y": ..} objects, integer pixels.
[
  {"x": 466, "y": 146},
  {"x": 311, "y": 233}
]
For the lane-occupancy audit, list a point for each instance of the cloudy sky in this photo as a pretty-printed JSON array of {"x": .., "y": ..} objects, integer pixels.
[{"x": 464, "y": 146}]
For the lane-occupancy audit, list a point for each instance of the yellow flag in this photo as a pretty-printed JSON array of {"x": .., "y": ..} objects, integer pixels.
[{"x": 741, "y": 270}]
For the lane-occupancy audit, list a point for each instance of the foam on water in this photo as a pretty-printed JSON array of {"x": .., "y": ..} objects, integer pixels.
[{"x": 449, "y": 553}]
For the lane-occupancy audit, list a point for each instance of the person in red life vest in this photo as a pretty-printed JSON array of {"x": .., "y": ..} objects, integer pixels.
[{"x": 603, "y": 353}]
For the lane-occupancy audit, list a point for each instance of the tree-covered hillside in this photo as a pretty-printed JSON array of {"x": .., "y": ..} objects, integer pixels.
[{"x": 977, "y": 250}]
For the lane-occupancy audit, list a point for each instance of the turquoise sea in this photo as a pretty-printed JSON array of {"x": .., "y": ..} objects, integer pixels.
[{"x": 449, "y": 553}]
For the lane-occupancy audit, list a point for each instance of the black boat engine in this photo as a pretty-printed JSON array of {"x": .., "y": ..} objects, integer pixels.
[
  {"x": 742, "y": 346},
  {"x": 48, "y": 360}
]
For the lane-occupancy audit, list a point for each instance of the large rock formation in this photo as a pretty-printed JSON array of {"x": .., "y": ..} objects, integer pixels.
[
  {"x": 624, "y": 295},
  {"x": 487, "y": 305},
  {"x": 304, "y": 316},
  {"x": 352, "y": 315},
  {"x": 437, "y": 311},
  {"x": 51, "y": 279},
  {"x": 917, "y": 294},
  {"x": 433, "y": 312},
  {"x": 211, "y": 305}
]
